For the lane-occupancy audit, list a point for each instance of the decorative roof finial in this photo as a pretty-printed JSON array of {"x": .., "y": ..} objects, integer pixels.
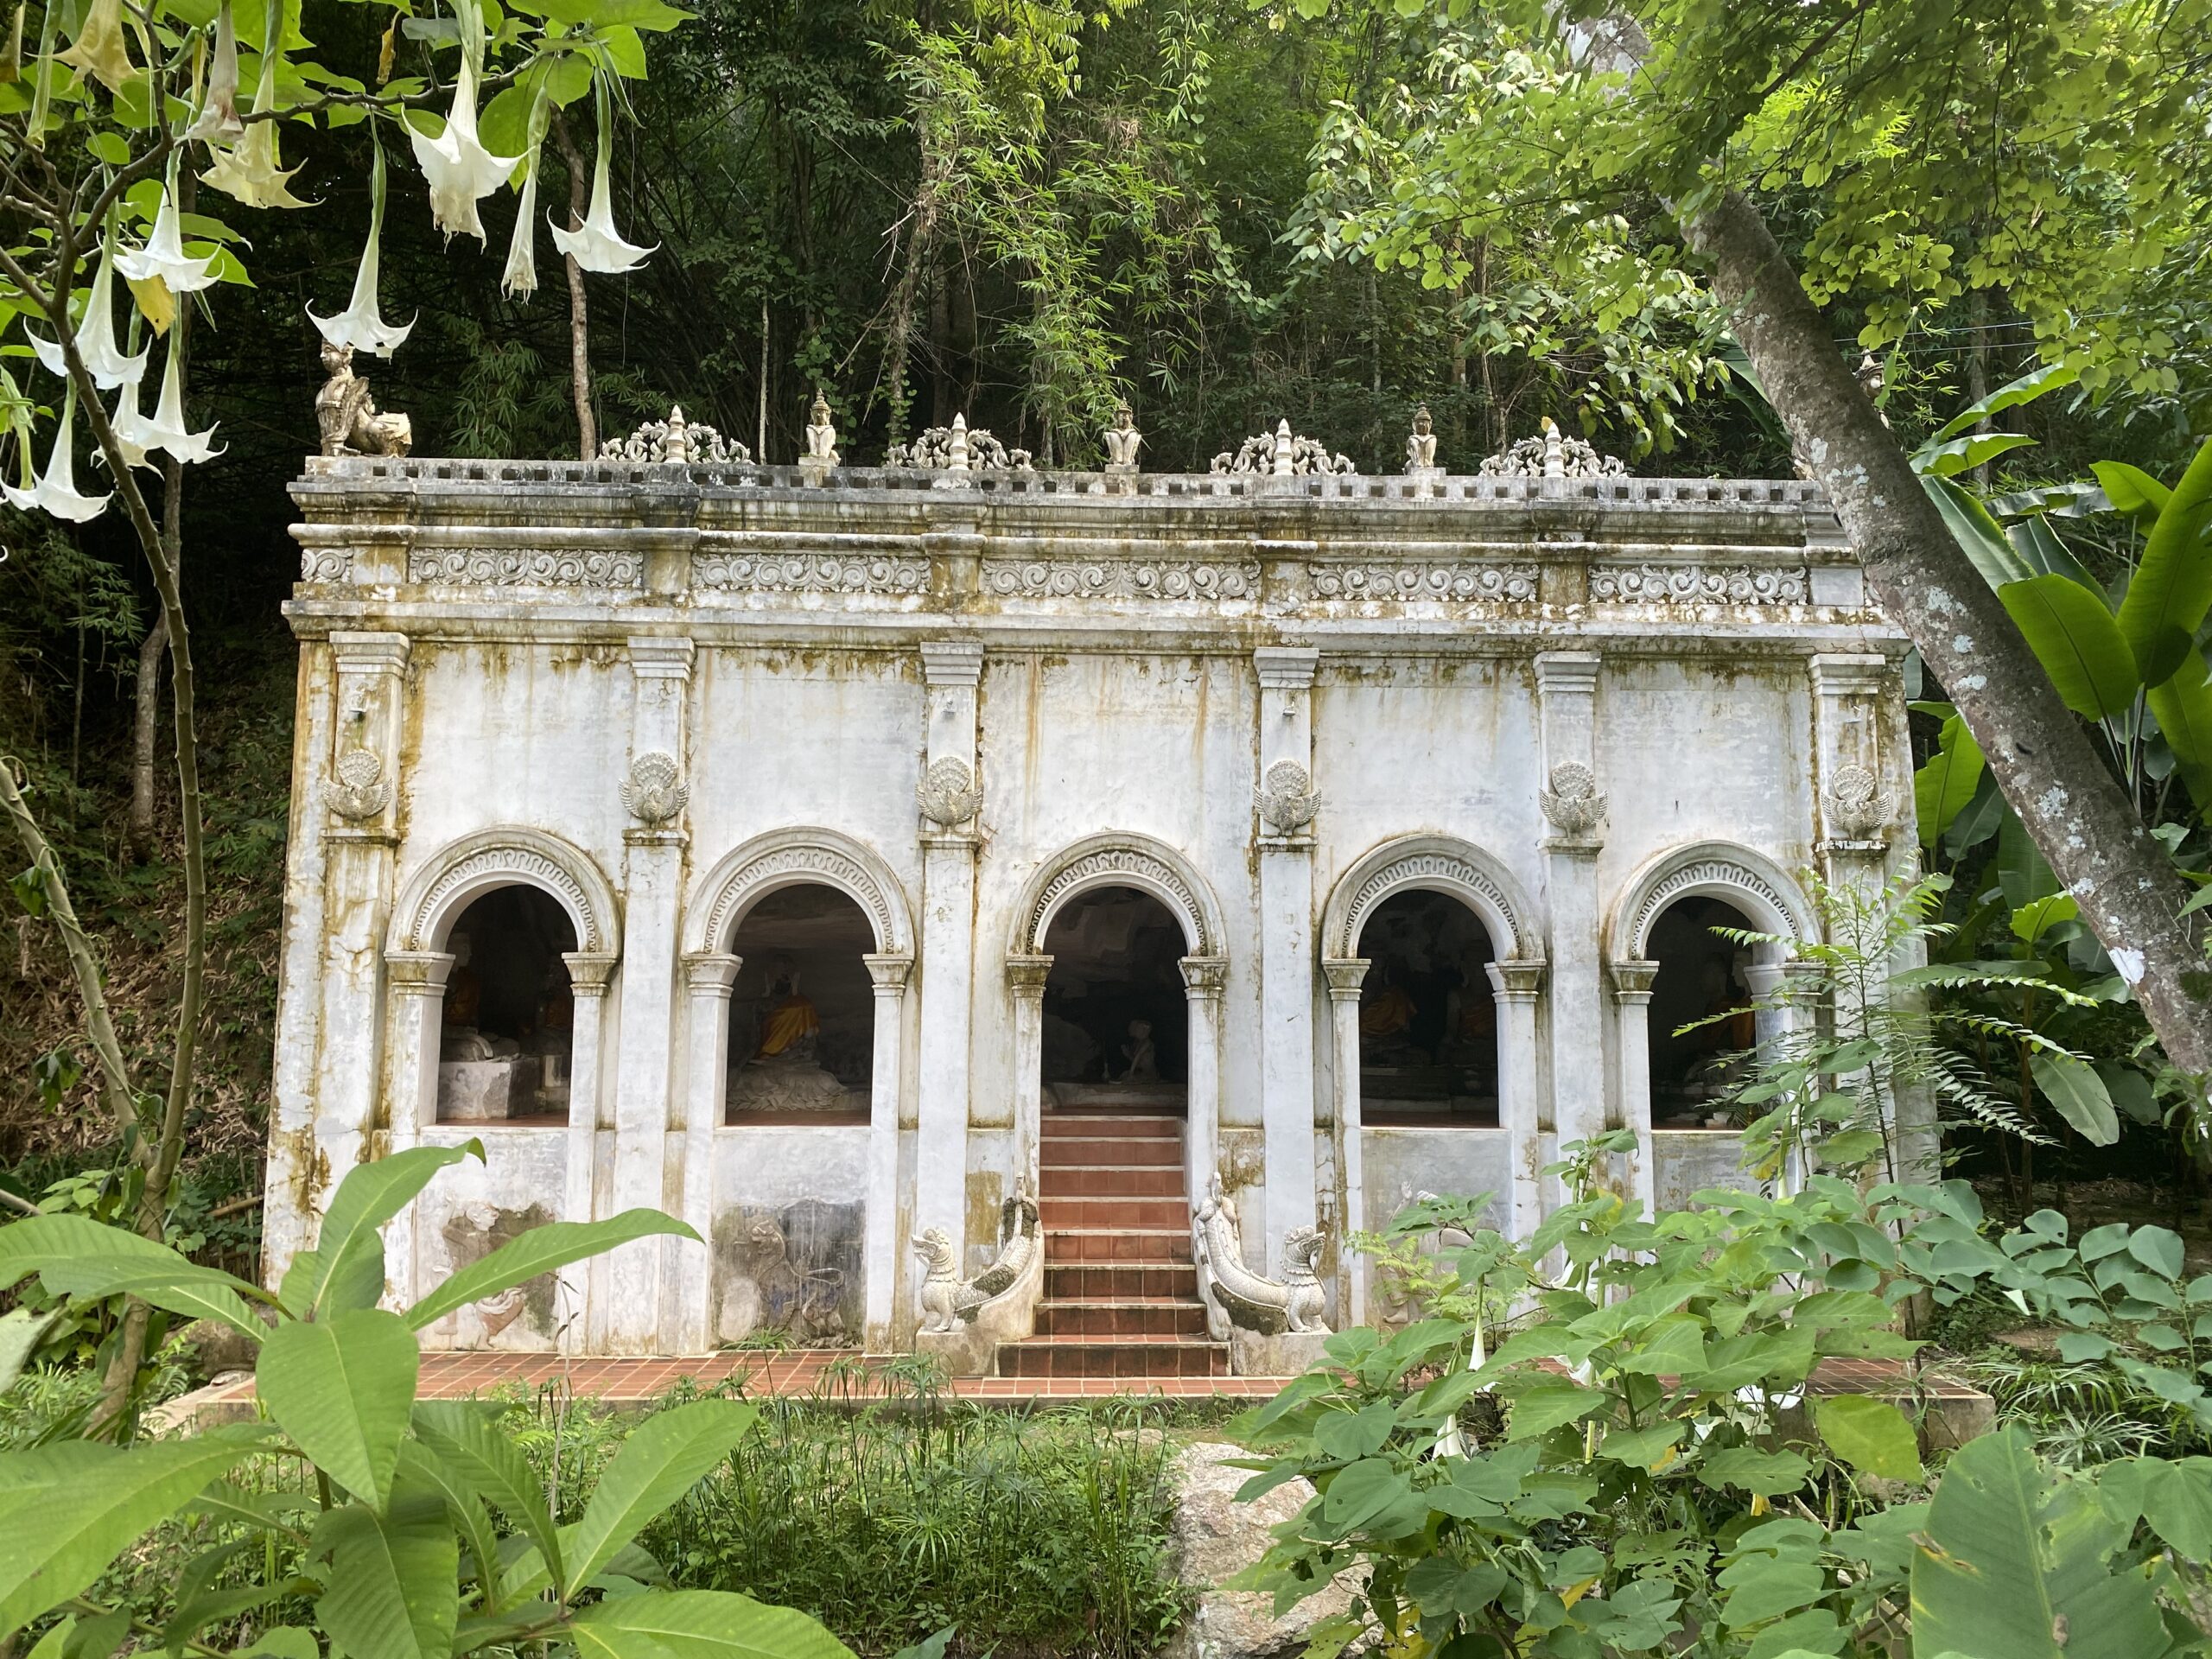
[{"x": 1283, "y": 466}]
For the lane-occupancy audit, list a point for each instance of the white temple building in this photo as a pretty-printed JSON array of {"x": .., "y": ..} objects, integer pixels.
[{"x": 838, "y": 859}]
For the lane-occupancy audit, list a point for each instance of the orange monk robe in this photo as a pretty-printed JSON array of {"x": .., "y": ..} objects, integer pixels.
[
  {"x": 1386, "y": 1014},
  {"x": 788, "y": 1022}
]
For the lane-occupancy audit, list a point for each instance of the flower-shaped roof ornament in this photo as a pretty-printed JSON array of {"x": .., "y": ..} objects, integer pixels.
[
  {"x": 109, "y": 365},
  {"x": 55, "y": 490},
  {"x": 163, "y": 258},
  {"x": 598, "y": 246},
  {"x": 361, "y": 325},
  {"x": 460, "y": 170},
  {"x": 249, "y": 170}
]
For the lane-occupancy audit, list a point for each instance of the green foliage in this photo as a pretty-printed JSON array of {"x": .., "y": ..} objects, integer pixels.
[
  {"x": 400, "y": 1553},
  {"x": 1036, "y": 1532}
]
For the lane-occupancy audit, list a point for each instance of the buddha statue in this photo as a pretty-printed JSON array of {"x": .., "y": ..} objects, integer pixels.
[
  {"x": 790, "y": 1028},
  {"x": 821, "y": 434},
  {"x": 1122, "y": 441},
  {"x": 1420, "y": 445},
  {"x": 1141, "y": 1053}
]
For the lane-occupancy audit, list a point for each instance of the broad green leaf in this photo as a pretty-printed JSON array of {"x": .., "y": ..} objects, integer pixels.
[
  {"x": 2131, "y": 490},
  {"x": 2038, "y": 916},
  {"x": 2183, "y": 707},
  {"x": 700, "y": 1624},
  {"x": 1761, "y": 1587},
  {"x": 285, "y": 1642},
  {"x": 68, "y": 1510},
  {"x": 1548, "y": 1406},
  {"x": 1979, "y": 535},
  {"x": 541, "y": 1250},
  {"x": 2039, "y": 544},
  {"x": 342, "y": 1389},
  {"x": 614, "y": 14},
  {"x": 1963, "y": 455},
  {"x": 2074, "y": 636},
  {"x": 1943, "y": 787},
  {"x": 2172, "y": 585},
  {"x": 421, "y": 1468},
  {"x": 345, "y": 1268},
  {"x": 2077, "y": 1093},
  {"x": 1763, "y": 1474},
  {"x": 663, "y": 1459},
  {"x": 470, "y": 1437},
  {"x": 1360, "y": 1491},
  {"x": 44, "y": 1244},
  {"x": 1673, "y": 1347},
  {"x": 2158, "y": 1249},
  {"x": 2012, "y": 1564},
  {"x": 21, "y": 1330},
  {"x": 2175, "y": 1496},
  {"x": 185, "y": 1288},
  {"x": 1871, "y": 1435},
  {"x": 2025, "y": 389},
  {"x": 392, "y": 1591}
]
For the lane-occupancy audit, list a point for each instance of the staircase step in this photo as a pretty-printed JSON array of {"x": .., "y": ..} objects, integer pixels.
[
  {"x": 1113, "y": 1180},
  {"x": 1096, "y": 1126},
  {"x": 1104, "y": 1357},
  {"x": 1162, "y": 1318},
  {"x": 1158, "y": 1214},
  {"x": 1149, "y": 1246},
  {"x": 1164, "y": 1150},
  {"x": 1108, "y": 1281}
]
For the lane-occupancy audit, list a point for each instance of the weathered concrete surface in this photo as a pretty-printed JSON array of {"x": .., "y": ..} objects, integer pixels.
[{"x": 1214, "y": 1538}]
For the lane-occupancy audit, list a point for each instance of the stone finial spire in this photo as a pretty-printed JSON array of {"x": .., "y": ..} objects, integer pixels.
[
  {"x": 1555, "y": 453},
  {"x": 678, "y": 442},
  {"x": 957, "y": 461},
  {"x": 1284, "y": 463}
]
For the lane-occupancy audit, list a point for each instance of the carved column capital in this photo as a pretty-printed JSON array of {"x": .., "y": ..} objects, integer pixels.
[
  {"x": 888, "y": 971},
  {"x": 1205, "y": 978},
  {"x": 1286, "y": 668},
  {"x": 710, "y": 973},
  {"x": 590, "y": 971},
  {"x": 1517, "y": 979},
  {"x": 1345, "y": 975},
  {"x": 378, "y": 652},
  {"x": 419, "y": 973},
  {"x": 1632, "y": 980},
  {"x": 1027, "y": 974},
  {"x": 652, "y": 657},
  {"x": 951, "y": 662}
]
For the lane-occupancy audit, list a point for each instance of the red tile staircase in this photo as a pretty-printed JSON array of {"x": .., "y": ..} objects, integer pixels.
[{"x": 1121, "y": 1294}]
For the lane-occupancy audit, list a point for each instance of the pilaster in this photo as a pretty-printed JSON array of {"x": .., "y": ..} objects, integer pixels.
[
  {"x": 650, "y": 1146},
  {"x": 708, "y": 976},
  {"x": 1566, "y": 685},
  {"x": 1284, "y": 835},
  {"x": 1205, "y": 979},
  {"x": 1345, "y": 976},
  {"x": 1518, "y": 981},
  {"x": 952, "y": 669},
  {"x": 1855, "y": 800},
  {"x": 887, "y": 973},
  {"x": 1632, "y": 980}
]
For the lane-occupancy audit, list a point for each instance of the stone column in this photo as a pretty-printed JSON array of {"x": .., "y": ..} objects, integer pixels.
[
  {"x": 1288, "y": 1106},
  {"x": 648, "y": 1151},
  {"x": 889, "y": 974},
  {"x": 708, "y": 976},
  {"x": 354, "y": 814},
  {"x": 1633, "y": 1031},
  {"x": 1205, "y": 978},
  {"x": 951, "y": 670},
  {"x": 1025, "y": 978},
  {"x": 1518, "y": 983},
  {"x": 1566, "y": 683},
  {"x": 414, "y": 1023},
  {"x": 1345, "y": 975},
  {"x": 1855, "y": 801},
  {"x": 588, "y": 1185}
]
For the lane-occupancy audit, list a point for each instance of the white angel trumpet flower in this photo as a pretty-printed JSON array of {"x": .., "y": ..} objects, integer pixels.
[
  {"x": 361, "y": 325},
  {"x": 109, "y": 366},
  {"x": 134, "y": 433},
  {"x": 460, "y": 170},
  {"x": 166, "y": 431},
  {"x": 519, "y": 280},
  {"x": 56, "y": 492},
  {"x": 219, "y": 116},
  {"x": 598, "y": 246},
  {"x": 163, "y": 258}
]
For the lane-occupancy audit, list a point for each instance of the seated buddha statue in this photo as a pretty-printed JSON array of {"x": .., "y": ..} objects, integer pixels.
[{"x": 790, "y": 1026}]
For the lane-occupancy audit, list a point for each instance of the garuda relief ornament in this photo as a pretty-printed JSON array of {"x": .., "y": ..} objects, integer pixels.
[
  {"x": 1572, "y": 803},
  {"x": 357, "y": 788},
  {"x": 949, "y": 794},
  {"x": 1858, "y": 806},
  {"x": 1287, "y": 800},
  {"x": 653, "y": 793}
]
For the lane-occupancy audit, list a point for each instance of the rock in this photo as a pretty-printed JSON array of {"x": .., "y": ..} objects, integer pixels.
[{"x": 1214, "y": 1538}]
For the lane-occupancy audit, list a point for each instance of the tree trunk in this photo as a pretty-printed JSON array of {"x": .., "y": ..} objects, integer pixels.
[
  {"x": 579, "y": 321},
  {"x": 2078, "y": 816},
  {"x": 145, "y": 734},
  {"x": 898, "y": 331}
]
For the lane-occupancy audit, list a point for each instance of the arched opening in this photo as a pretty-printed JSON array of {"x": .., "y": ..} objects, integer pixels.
[
  {"x": 1427, "y": 1014},
  {"x": 509, "y": 1015},
  {"x": 1702, "y": 984},
  {"x": 1115, "y": 1023},
  {"x": 802, "y": 1017}
]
